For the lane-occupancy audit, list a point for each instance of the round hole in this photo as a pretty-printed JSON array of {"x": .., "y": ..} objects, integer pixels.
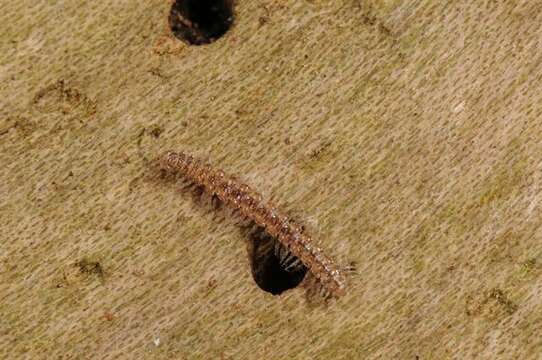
[
  {"x": 200, "y": 22},
  {"x": 267, "y": 271}
]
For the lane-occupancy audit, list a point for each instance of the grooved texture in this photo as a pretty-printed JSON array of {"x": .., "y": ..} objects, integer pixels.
[{"x": 405, "y": 135}]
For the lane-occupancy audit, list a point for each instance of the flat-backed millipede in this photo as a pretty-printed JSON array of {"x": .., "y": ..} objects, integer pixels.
[{"x": 294, "y": 243}]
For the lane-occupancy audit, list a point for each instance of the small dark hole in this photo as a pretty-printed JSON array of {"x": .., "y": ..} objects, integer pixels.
[
  {"x": 266, "y": 268},
  {"x": 200, "y": 22}
]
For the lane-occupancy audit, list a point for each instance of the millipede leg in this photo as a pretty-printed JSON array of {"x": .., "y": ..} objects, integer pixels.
[
  {"x": 289, "y": 257},
  {"x": 216, "y": 202},
  {"x": 294, "y": 266},
  {"x": 277, "y": 249},
  {"x": 198, "y": 191}
]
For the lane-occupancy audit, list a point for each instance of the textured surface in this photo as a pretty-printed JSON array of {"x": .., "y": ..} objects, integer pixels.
[{"x": 406, "y": 136}]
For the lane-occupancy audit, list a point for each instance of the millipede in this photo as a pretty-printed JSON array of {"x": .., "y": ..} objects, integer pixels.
[{"x": 293, "y": 247}]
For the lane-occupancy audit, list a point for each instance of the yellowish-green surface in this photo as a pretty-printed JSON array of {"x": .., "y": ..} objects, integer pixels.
[{"x": 406, "y": 135}]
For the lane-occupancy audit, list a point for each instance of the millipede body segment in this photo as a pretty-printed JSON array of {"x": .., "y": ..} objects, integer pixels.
[{"x": 251, "y": 205}]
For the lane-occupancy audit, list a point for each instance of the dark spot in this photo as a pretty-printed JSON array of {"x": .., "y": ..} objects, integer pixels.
[
  {"x": 200, "y": 22},
  {"x": 316, "y": 152},
  {"x": 90, "y": 267},
  {"x": 155, "y": 71},
  {"x": 266, "y": 269},
  {"x": 156, "y": 131},
  {"x": 211, "y": 284},
  {"x": 503, "y": 300},
  {"x": 216, "y": 202},
  {"x": 109, "y": 316}
]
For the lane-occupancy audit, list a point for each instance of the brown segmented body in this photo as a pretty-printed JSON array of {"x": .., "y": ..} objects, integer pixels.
[{"x": 250, "y": 204}]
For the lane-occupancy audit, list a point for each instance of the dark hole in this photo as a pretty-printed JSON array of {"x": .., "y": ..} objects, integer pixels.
[
  {"x": 266, "y": 268},
  {"x": 200, "y": 22}
]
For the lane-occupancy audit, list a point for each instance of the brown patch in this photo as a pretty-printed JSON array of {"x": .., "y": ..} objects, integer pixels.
[
  {"x": 493, "y": 303},
  {"x": 63, "y": 98},
  {"x": 264, "y": 19},
  {"x": 83, "y": 269},
  {"x": 368, "y": 18},
  {"x": 167, "y": 45},
  {"x": 315, "y": 153},
  {"x": 212, "y": 283},
  {"x": 90, "y": 267},
  {"x": 155, "y": 131},
  {"x": 156, "y": 71},
  {"x": 21, "y": 124}
]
